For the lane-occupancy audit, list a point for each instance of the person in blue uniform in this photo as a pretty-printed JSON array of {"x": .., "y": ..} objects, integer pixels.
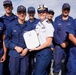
[
  {"x": 32, "y": 22},
  {"x": 18, "y": 63},
  {"x": 8, "y": 17},
  {"x": 2, "y": 46},
  {"x": 61, "y": 52},
  {"x": 31, "y": 14},
  {"x": 45, "y": 35},
  {"x": 72, "y": 57},
  {"x": 50, "y": 16}
]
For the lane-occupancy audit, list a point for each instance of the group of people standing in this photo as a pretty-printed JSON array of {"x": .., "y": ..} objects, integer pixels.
[{"x": 57, "y": 37}]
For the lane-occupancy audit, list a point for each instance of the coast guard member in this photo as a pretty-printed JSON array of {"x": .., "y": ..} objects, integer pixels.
[
  {"x": 50, "y": 16},
  {"x": 18, "y": 63},
  {"x": 7, "y": 18},
  {"x": 45, "y": 34},
  {"x": 61, "y": 24},
  {"x": 32, "y": 22}
]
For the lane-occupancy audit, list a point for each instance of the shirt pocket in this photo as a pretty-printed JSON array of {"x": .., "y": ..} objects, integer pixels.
[{"x": 15, "y": 34}]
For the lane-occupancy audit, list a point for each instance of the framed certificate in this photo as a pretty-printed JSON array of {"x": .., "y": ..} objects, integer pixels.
[{"x": 31, "y": 39}]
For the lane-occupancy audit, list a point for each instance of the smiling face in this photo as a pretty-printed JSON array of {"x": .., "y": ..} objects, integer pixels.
[
  {"x": 42, "y": 15},
  {"x": 8, "y": 8}
]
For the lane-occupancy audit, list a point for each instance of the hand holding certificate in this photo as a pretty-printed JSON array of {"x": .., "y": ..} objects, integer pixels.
[{"x": 31, "y": 39}]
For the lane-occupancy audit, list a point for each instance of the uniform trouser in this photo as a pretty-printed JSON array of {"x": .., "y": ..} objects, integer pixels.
[
  {"x": 59, "y": 55},
  {"x": 18, "y": 66},
  {"x": 1, "y": 68},
  {"x": 64, "y": 64},
  {"x": 72, "y": 62},
  {"x": 49, "y": 67},
  {"x": 43, "y": 59},
  {"x": 31, "y": 63}
]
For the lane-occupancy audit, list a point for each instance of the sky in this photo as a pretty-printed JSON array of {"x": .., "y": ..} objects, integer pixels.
[{"x": 55, "y": 5}]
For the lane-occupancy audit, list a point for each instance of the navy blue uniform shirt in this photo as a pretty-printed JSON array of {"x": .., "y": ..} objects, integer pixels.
[
  {"x": 2, "y": 31},
  {"x": 14, "y": 36},
  {"x": 61, "y": 28},
  {"x": 8, "y": 19},
  {"x": 33, "y": 23}
]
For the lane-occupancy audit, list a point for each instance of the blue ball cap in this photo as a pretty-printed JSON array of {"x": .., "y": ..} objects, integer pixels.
[
  {"x": 51, "y": 11},
  {"x": 21, "y": 8},
  {"x": 42, "y": 8},
  {"x": 66, "y": 6},
  {"x": 31, "y": 10},
  {"x": 7, "y": 2}
]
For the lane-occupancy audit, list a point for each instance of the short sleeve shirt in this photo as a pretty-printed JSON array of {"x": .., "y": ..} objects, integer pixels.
[{"x": 44, "y": 30}]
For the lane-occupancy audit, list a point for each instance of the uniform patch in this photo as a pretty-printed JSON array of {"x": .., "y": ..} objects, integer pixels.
[
  {"x": 59, "y": 24},
  {"x": 43, "y": 27},
  {"x": 68, "y": 24},
  {"x": 14, "y": 31}
]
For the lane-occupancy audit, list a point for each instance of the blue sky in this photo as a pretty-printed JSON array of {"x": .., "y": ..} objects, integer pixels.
[{"x": 55, "y": 5}]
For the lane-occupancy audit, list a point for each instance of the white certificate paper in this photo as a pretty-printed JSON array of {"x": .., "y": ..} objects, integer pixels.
[{"x": 31, "y": 39}]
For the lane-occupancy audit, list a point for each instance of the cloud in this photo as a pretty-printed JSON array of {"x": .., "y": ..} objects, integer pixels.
[{"x": 56, "y": 5}]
